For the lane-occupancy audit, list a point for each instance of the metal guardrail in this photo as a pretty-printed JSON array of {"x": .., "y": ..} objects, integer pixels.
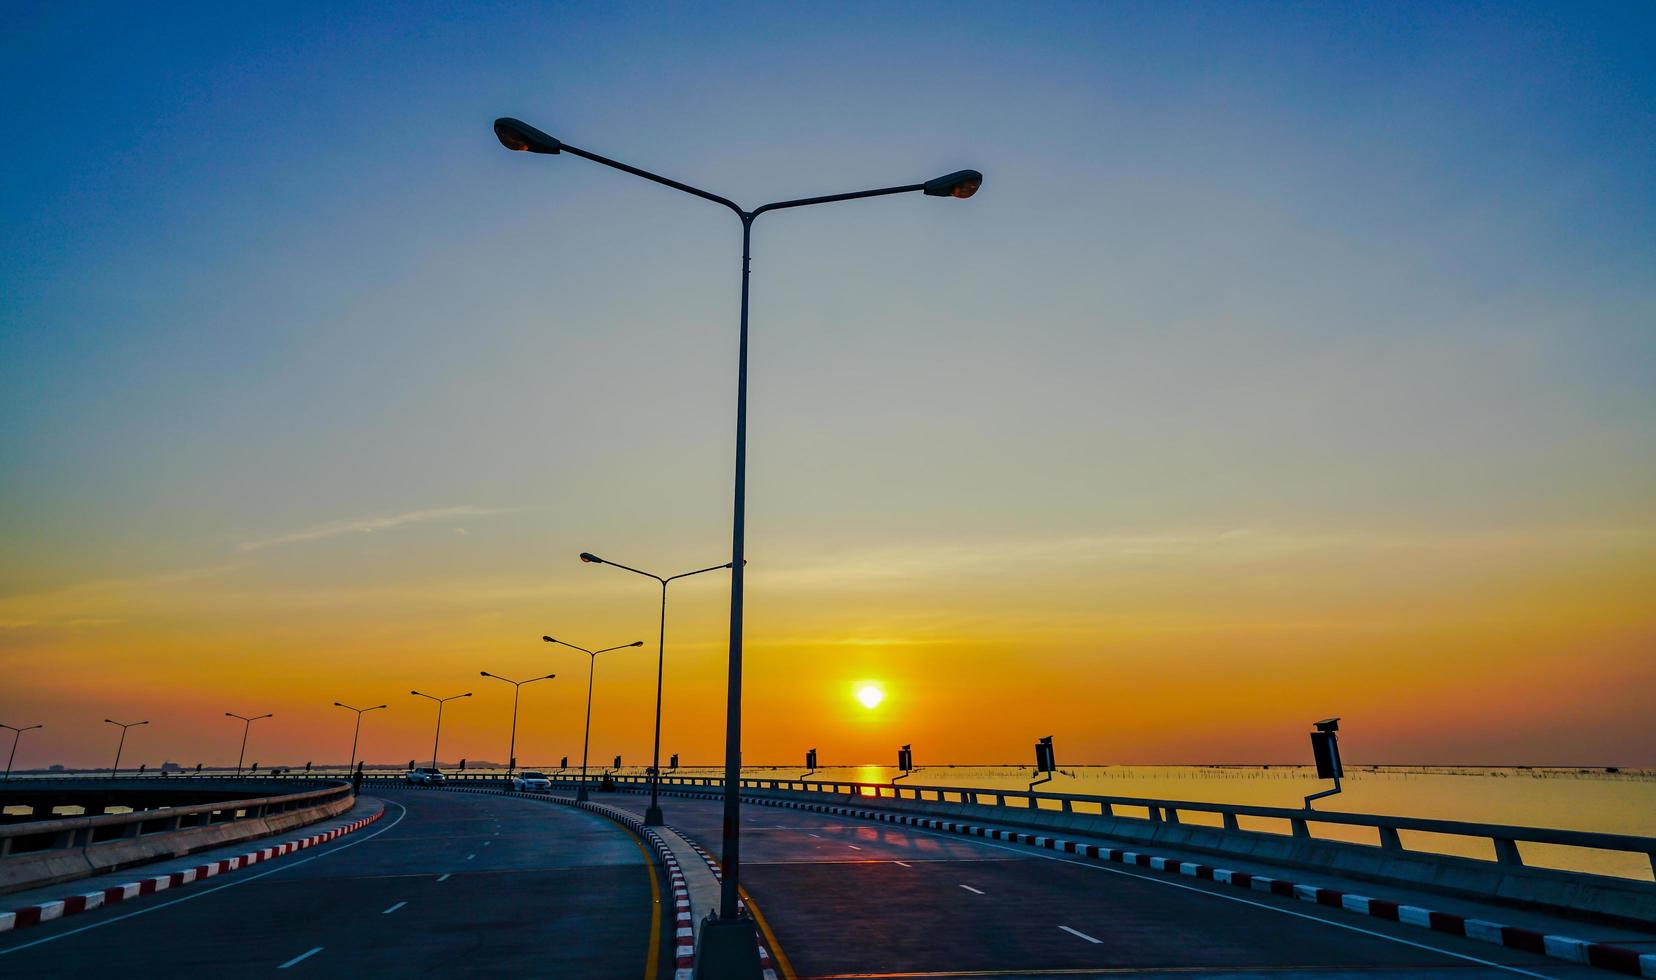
[
  {"x": 1504, "y": 838},
  {"x": 62, "y": 833}
]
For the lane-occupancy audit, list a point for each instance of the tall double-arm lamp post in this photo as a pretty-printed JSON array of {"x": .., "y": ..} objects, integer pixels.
[
  {"x": 652, "y": 816},
  {"x": 517, "y": 686},
  {"x": 592, "y": 669},
  {"x": 358, "y": 731},
  {"x": 440, "y": 703},
  {"x": 247, "y": 725},
  {"x": 728, "y": 947},
  {"x": 123, "y": 726}
]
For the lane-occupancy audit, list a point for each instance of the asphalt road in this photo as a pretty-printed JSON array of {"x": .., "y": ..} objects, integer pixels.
[
  {"x": 445, "y": 883},
  {"x": 853, "y": 898}
]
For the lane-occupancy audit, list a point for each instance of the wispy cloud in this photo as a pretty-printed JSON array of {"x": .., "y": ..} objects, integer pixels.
[{"x": 367, "y": 525}]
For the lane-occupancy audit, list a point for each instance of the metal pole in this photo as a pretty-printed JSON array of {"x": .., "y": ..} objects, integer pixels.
[
  {"x": 586, "y": 739},
  {"x": 118, "y": 747},
  {"x": 354, "y": 736},
  {"x": 652, "y": 816},
  {"x": 17, "y": 733},
  {"x": 511, "y": 752},
  {"x": 246, "y": 724},
  {"x": 730, "y": 861},
  {"x": 439, "y": 733}
]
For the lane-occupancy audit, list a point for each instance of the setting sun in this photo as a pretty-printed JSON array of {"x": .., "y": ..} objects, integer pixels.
[{"x": 870, "y": 695}]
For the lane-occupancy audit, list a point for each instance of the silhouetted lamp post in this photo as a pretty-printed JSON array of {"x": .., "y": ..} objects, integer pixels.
[
  {"x": 247, "y": 725},
  {"x": 358, "y": 731},
  {"x": 17, "y": 736},
  {"x": 592, "y": 668},
  {"x": 123, "y": 726},
  {"x": 733, "y": 950},
  {"x": 652, "y": 816},
  {"x": 511, "y": 757},
  {"x": 439, "y": 734}
]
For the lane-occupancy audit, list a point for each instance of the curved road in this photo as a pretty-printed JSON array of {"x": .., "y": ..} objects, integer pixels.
[
  {"x": 854, "y": 898},
  {"x": 445, "y": 883}
]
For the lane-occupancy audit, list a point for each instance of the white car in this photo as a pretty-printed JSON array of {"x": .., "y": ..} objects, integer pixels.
[
  {"x": 426, "y": 776},
  {"x": 531, "y": 782}
]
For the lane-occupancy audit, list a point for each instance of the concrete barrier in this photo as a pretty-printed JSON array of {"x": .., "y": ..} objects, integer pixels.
[{"x": 79, "y": 853}]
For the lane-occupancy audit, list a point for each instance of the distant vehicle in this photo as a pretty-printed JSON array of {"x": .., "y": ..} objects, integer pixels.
[
  {"x": 531, "y": 782},
  {"x": 426, "y": 776}
]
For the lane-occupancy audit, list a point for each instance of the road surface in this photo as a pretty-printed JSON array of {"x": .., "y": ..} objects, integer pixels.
[{"x": 445, "y": 883}]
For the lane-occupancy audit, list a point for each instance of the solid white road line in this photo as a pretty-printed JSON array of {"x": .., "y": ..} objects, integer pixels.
[
  {"x": 444, "y": 878},
  {"x": 470, "y": 856},
  {"x": 1077, "y": 932},
  {"x": 393, "y": 908},
  {"x": 300, "y": 958},
  {"x": 229, "y": 884},
  {"x": 969, "y": 888}
]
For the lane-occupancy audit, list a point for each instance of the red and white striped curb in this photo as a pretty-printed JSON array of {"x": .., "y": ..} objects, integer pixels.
[
  {"x": 766, "y": 964},
  {"x": 30, "y": 915}
]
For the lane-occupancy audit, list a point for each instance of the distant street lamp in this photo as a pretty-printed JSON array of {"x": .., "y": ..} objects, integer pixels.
[
  {"x": 247, "y": 725},
  {"x": 17, "y": 736},
  {"x": 358, "y": 730},
  {"x": 652, "y": 816},
  {"x": 592, "y": 668},
  {"x": 440, "y": 703},
  {"x": 511, "y": 753},
  {"x": 115, "y": 769},
  {"x": 729, "y": 949}
]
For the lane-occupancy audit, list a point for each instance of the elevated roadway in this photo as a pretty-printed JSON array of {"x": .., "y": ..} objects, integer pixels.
[
  {"x": 445, "y": 883},
  {"x": 850, "y": 898}
]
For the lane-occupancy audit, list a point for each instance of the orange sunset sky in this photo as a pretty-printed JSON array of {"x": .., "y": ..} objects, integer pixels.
[{"x": 1285, "y": 366}]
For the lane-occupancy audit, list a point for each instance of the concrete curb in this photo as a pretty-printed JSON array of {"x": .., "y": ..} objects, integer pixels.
[
  {"x": 766, "y": 965},
  {"x": 30, "y": 915},
  {"x": 1603, "y": 955}
]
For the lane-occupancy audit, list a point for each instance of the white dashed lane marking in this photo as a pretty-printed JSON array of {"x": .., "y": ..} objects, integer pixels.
[
  {"x": 393, "y": 908},
  {"x": 1076, "y": 932},
  {"x": 969, "y": 888},
  {"x": 300, "y": 958}
]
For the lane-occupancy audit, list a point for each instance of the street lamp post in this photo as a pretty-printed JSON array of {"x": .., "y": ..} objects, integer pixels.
[
  {"x": 652, "y": 816},
  {"x": 123, "y": 726},
  {"x": 358, "y": 731},
  {"x": 517, "y": 686},
  {"x": 440, "y": 703},
  {"x": 592, "y": 668},
  {"x": 247, "y": 725},
  {"x": 732, "y": 949},
  {"x": 17, "y": 736}
]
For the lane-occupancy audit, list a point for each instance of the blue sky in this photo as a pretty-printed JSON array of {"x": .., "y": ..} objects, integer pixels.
[{"x": 1305, "y": 272}]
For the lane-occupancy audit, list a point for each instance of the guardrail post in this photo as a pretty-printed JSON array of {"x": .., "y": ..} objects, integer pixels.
[
  {"x": 1506, "y": 852},
  {"x": 1172, "y": 814},
  {"x": 1106, "y": 810},
  {"x": 1389, "y": 841},
  {"x": 1300, "y": 829},
  {"x": 1154, "y": 814},
  {"x": 1230, "y": 821},
  {"x": 1068, "y": 807}
]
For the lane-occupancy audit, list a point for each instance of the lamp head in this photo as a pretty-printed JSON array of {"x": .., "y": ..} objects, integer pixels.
[
  {"x": 636, "y": 643},
  {"x": 485, "y": 673},
  {"x": 515, "y": 134},
  {"x": 549, "y": 639},
  {"x": 961, "y": 184},
  {"x": 591, "y": 559}
]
